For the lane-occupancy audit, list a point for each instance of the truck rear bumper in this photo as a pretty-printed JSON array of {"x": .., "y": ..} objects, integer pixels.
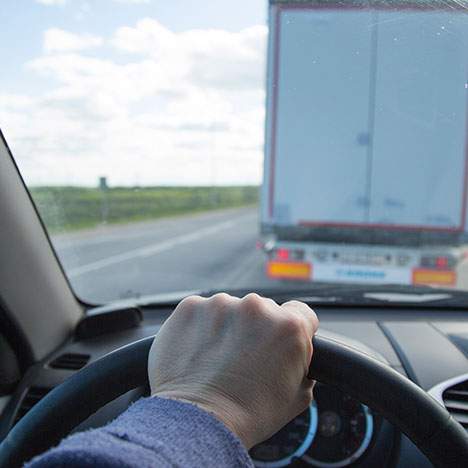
[
  {"x": 328, "y": 262},
  {"x": 306, "y": 271}
]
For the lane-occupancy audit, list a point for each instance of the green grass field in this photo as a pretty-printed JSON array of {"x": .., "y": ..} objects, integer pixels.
[{"x": 70, "y": 208}]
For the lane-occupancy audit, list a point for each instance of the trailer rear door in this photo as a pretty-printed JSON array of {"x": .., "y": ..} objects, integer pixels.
[
  {"x": 318, "y": 133},
  {"x": 418, "y": 161}
]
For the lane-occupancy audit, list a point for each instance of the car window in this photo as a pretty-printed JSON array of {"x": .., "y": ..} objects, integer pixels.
[{"x": 259, "y": 145}]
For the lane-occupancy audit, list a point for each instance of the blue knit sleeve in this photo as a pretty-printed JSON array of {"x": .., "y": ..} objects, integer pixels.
[{"x": 153, "y": 432}]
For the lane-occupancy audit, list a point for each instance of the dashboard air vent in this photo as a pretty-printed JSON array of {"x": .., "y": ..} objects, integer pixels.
[
  {"x": 32, "y": 396},
  {"x": 72, "y": 361},
  {"x": 455, "y": 399}
]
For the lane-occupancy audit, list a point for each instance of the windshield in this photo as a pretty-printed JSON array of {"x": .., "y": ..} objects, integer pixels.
[{"x": 210, "y": 145}]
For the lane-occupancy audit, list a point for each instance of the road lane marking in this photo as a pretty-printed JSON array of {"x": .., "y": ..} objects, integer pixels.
[
  {"x": 114, "y": 233},
  {"x": 153, "y": 249}
]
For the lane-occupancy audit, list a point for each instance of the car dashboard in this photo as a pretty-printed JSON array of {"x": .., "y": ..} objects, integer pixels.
[{"x": 428, "y": 346}]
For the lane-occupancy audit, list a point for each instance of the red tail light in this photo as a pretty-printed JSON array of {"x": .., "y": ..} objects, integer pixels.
[
  {"x": 282, "y": 254},
  {"x": 441, "y": 262}
]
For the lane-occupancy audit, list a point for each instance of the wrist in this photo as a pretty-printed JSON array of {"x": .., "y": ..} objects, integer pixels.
[{"x": 228, "y": 413}]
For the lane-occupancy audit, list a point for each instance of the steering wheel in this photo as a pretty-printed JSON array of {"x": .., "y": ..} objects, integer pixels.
[{"x": 400, "y": 401}]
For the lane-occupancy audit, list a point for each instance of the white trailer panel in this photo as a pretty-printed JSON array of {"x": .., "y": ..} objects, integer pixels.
[
  {"x": 320, "y": 113},
  {"x": 418, "y": 168},
  {"x": 366, "y": 118}
]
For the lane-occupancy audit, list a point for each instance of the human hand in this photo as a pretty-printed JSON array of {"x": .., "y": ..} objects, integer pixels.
[{"x": 243, "y": 360}]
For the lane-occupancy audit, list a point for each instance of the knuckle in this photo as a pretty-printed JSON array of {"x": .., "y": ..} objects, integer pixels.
[
  {"x": 220, "y": 300},
  {"x": 309, "y": 315},
  {"x": 293, "y": 325},
  {"x": 314, "y": 318},
  {"x": 294, "y": 303},
  {"x": 253, "y": 302},
  {"x": 189, "y": 304},
  {"x": 293, "y": 331}
]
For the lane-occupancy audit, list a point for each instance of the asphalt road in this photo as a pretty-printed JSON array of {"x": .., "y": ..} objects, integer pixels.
[
  {"x": 204, "y": 251},
  {"x": 213, "y": 250}
]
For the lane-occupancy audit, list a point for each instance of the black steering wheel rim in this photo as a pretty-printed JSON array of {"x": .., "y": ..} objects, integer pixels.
[{"x": 396, "y": 398}]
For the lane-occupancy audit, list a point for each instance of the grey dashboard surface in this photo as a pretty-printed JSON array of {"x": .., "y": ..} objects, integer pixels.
[
  {"x": 430, "y": 354},
  {"x": 417, "y": 343}
]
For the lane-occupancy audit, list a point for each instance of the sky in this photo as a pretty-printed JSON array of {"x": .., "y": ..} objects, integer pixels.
[{"x": 144, "y": 92}]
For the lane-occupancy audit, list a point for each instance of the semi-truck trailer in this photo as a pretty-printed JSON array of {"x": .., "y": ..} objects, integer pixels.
[{"x": 365, "y": 168}]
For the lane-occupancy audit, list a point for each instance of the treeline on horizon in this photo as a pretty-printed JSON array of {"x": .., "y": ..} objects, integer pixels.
[{"x": 68, "y": 208}]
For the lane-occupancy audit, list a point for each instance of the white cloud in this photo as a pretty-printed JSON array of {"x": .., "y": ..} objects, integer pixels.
[
  {"x": 52, "y": 2},
  {"x": 58, "y": 40},
  {"x": 64, "y": 2},
  {"x": 216, "y": 57},
  {"x": 133, "y": 1},
  {"x": 183, "y": 108}
]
